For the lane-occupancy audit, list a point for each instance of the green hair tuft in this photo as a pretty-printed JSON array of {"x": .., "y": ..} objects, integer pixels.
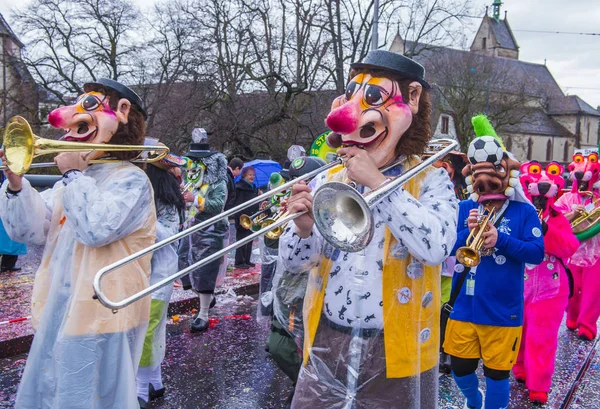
[{"x": 483, "y": 127}]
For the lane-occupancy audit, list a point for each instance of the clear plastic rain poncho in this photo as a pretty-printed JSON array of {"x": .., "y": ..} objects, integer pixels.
[
  {"x": 288, "y": 290},
  {"x": 371, "y": 318},
  {"x": 164, "y": 264},
  {"x": 83, "y": 355},
  {"x": 269, "y": 254}
]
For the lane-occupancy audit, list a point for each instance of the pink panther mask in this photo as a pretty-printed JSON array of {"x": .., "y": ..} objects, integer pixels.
[
  {"x": 584, "y": 171},
  {"x": 542, "y": 185}
]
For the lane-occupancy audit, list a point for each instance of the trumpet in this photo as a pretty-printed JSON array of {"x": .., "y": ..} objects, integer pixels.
[
  {"x": 470, "y": 255},
  {"x": 342, "y": 215},
  {"x": 21, "y": 146},
  {"x": 276, "y": 231},
  {"x": 254, "y": 222}
]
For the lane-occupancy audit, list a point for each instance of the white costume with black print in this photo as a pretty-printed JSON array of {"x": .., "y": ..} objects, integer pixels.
[{"x": 425, "y": 228}]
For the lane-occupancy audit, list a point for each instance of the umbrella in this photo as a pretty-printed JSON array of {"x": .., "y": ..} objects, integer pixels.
[{"x": 263, "y": 168}]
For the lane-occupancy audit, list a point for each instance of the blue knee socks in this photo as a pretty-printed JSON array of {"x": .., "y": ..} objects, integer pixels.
[
  {"x": 469, "y": 386},
  {"x": 497, "y": 393}
]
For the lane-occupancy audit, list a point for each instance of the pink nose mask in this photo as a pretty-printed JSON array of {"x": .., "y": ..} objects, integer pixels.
[
  {"x": 343, "y": 120},
  {"x": 55, "y": 117}
]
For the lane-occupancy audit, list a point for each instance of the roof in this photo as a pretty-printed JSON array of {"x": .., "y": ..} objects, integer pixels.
[
  {"x": 520, "y": 76},
  {"x": 7, "y": 31},
  {"x": 503, "y": 33},
  {"x": 569, "y": 105},
  {"x": 536, "y": 122}
]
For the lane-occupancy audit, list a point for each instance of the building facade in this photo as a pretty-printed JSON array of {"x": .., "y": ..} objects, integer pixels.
[
  {"x": 19, "y": 92},
  {"x": 542, "y": 122}
]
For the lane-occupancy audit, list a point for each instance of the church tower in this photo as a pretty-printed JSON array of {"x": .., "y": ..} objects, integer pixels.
[{"x": 495, "y": 37}]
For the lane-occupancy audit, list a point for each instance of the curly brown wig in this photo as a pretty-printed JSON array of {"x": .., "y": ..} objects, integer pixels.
[
  {"x": 416, "y": 139},
  {"x": 131, "y": 133}
]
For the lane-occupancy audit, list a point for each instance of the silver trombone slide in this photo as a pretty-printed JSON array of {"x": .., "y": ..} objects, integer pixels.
[
  {"x": 328, "y": 231},
  {"x": 115, "y": 306}
]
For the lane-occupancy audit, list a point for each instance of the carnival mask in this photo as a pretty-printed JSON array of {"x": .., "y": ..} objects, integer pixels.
[
  {"x": 492, "y": 174},
  {"x": 90, "y": 119},
  {"x": 372, "y": 114},
  {"x": 542, "y": 185},
  {"x": 194, "y": 172},
  {"x": 584, "y": 171}
]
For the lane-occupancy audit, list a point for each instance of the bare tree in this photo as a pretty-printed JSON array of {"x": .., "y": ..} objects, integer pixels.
[
  {"x": 426, "y": 25},
  {"x": 467, "y": 84},
  {"x": 257, "y": 74},
  {"x": 70, "y": 42}
]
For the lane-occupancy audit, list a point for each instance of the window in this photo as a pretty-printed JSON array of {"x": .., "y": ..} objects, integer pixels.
[
  {"x": 484, "y": 42},
  {"x": 549, "y": 150},
  {"x": 588, "y": 132},
  {"x": 566, "y": 152},
  {"x": 529, "y": 149},
  {"x": 445, "y": 124}
]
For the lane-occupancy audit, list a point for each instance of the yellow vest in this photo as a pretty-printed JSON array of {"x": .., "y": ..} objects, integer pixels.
[{"x": 411, "y": 306}]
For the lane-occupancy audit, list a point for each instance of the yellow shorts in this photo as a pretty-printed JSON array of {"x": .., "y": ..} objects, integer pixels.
[{"x": 497, "y": 346}]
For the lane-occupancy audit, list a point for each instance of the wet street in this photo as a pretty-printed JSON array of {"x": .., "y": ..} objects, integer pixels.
[{"x": 227, "y": 368}]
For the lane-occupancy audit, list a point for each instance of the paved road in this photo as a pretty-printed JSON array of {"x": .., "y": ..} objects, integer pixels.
[{"x": 228, "y": 368}]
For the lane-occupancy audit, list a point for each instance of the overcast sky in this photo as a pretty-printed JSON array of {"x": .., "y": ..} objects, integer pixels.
[{"x": 574, "y": 60}]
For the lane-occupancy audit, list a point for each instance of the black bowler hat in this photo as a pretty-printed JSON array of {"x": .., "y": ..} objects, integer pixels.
[
  {"x": 122, "y": 90},
  {"x": 396, "y": 63}
]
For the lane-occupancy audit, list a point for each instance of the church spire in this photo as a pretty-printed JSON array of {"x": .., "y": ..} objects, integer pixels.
[{"x": 496, "y": 10}]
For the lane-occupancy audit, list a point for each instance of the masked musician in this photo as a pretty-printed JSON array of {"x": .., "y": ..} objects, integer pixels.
[
  {"x": 372, "y": 318},
  {"x": 583, "y": 309},
  {"x": 547, "y": 286},
  {"x": 269, "y": 248},
  {"x": 83, "y": 355},
  {"x": 485, "y": 322},
  {"x": 285, "y": 339},
  {"x": 206, "y": 195},
  {"x": 169, "y": 206}
]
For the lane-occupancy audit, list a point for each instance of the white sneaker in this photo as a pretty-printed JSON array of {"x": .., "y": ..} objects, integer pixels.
[{"x": 482, "y": 400}]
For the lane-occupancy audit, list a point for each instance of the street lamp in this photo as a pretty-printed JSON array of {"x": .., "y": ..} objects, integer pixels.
[{"x": 375, "y": 28}]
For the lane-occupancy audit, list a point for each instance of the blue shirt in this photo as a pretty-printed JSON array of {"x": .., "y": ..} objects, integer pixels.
[{"x": 498, "y": 295}]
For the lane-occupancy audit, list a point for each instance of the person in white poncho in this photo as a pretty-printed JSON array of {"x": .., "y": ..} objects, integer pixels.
[
  {"x": 83, "y": 355},
  {"x": 170, "y": 206}
]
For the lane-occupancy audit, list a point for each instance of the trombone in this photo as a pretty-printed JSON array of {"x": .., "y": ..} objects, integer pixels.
[
  {"x": 470, "y": 255},
  {"x": 350, "y": 211},
  {"x": 21, "y": 146}
]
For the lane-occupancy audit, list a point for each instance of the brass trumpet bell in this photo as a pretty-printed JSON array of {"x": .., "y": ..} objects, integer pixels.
[
  {"x": 276, "y": 232},
  {"x": 21, "y": 146},
  {"x": 253, "y": 222},
  {"x": 246, "y": 222},
  {"x": 470, "y": 255}
]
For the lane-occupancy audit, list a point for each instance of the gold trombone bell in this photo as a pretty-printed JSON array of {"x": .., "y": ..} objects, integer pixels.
[
  {"x": 21, "y": 146},
  {"x": 469, "y": 255}
]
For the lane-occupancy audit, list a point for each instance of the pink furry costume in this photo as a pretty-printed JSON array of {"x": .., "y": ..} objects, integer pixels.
[
  {"x": 583, "y": 310},
  {"x": 546, "y": 285}
]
